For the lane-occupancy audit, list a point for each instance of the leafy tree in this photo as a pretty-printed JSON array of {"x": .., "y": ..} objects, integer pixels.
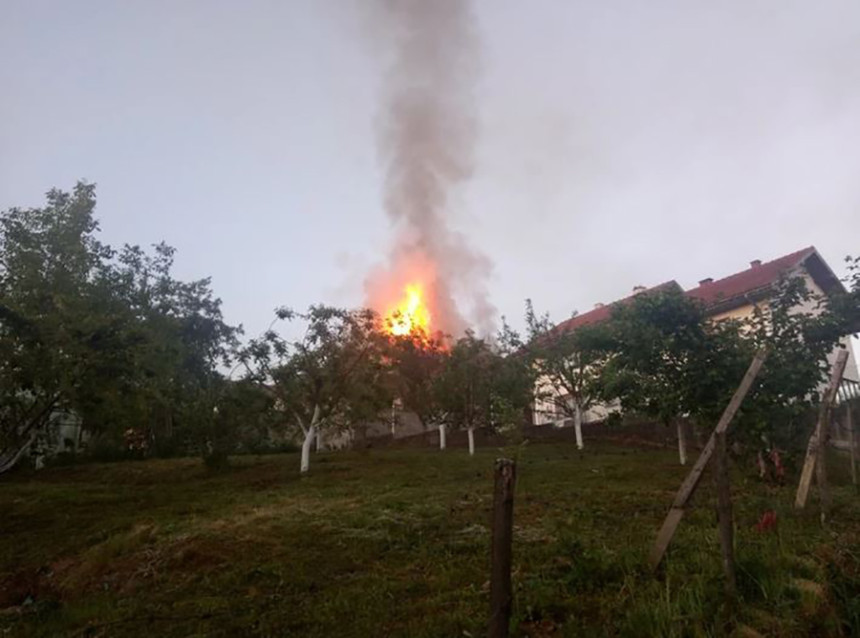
[
  {"x": 183, "y": 341},
  {"x": 62, "y": 335},
  {"x": 416, "y": 364},
  {"x": 568, "y": 364},
  {"x": 111, "y": 337},
  {"x": 799, "y": 331},
  {"x": 465, "y": 387},
  {"x": 668, "y": 361},
  {"x": 329, "y": 378}
]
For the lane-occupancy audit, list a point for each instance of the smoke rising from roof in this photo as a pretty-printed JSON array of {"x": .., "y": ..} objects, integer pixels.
[{"x": 427, "y": 131}]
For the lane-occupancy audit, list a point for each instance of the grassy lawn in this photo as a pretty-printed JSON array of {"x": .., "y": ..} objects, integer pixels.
[{"x": 396, "y": 543}]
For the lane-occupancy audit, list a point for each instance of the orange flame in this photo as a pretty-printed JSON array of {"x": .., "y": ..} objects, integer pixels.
[{"x": 410, "y": 316}]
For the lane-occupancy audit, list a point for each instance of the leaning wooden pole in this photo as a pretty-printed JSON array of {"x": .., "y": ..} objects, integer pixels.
[
  {"x": 664, "y": 537},
  {"x": 501, "y": 591},
  {"x": 817, "y": 444}
]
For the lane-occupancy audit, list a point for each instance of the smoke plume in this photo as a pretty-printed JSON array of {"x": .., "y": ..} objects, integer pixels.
[{"x": 427, "y": 132}]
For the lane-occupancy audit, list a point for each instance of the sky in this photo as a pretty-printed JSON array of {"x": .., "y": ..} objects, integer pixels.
[{"x": 620, "y": 143}]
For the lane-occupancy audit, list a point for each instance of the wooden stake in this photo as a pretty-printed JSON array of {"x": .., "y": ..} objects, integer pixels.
[
  {"x": 724, "y": 514},
  {"x": 821, "y": 470},
  {"x": 815, "y": 441},
  {"x": 664, "y": 537},
  {"x": 849, "y": 426},
  {"x": 501, "y": 592}
]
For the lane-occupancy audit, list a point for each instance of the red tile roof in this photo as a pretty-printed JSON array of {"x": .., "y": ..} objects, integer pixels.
[
  {"x": 602, "y": 313},
  {"x": 725, "y": 293},
  {"x": 753, "y": 279}
]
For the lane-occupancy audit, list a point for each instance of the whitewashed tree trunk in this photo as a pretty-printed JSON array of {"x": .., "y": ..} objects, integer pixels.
[
  {"x": 577, "y": 424},
  {"x": 471, "y": 432},
  {"x": 442, "y": 442},
  {"x": 682, "y": 442},
  {"x": 319, "y": 447},
  {"x": 310, "y": 435},
  {"x": 306, "y": 448}
]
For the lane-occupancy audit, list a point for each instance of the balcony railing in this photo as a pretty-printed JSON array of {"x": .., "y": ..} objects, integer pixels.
[{"x": 849, "y": 390}]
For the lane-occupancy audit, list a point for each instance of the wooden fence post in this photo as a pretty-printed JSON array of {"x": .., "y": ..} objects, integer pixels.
[
  {"x": 817, "y": 442},
  {"x": 501, "y": 592},
  {"x": 673, "y": 518},
  {"x": 724, "y": 514},
  {"x": 849, "y": 426}
]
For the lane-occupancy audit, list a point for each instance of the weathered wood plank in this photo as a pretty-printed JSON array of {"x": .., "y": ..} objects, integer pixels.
[
  {"x": 849, "y": 426},
  {"x": 501, "y": 591},
  {"x": 724, "y": 515},
  {"x": 815, "y": 440}
]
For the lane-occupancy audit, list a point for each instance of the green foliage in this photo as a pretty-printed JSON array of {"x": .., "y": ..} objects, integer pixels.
[
  {"x": 109, "y": 335},
  {"x": 667, "y": 360},
  {"x": 465, "y": 388},
  {"x": 416, "y": 364},
  {"x": 568, "y": 364},
  {"x": 333, "y": 376}
]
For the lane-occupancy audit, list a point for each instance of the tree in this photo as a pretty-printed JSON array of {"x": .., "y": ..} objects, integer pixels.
[
  {"x": 111, "y": 337},
  {"x": 468, "y": 388},
  {"x": 331, "y": 377},
  {"x": 799, "y": 330},
  {"x": 183, "y": 339},
  {"x": 416, "y": 364},
  {"x": 668, "y": 361},
  {"x": 568, "y": 364},
  {"x": 63, "y": 334}
]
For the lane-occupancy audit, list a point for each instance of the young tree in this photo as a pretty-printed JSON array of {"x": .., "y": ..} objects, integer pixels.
[
  {"x": 465, "y": 388},
  {"x": 668, "y": 361},
  {"x": 799, "y": 331},
  {"x": 331, "y": 376},
  {"x": 416, "y": 364},
  {"x": 568, "y": 364}
]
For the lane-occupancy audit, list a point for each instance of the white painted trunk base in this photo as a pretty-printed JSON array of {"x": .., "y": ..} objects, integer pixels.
[
  {"x": 310, "y": 435},
  {"x": 682, "y": 443},
  {"x": 471, "y": 433},
  {"x": 577, "y": 426},
  {"x": 442, "y": 441}
]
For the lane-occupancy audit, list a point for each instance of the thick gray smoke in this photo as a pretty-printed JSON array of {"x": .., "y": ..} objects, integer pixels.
[{"x": 427, "y": 134}]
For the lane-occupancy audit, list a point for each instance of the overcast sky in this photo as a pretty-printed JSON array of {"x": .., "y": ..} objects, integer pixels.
[{"x": 621, "y": 142}]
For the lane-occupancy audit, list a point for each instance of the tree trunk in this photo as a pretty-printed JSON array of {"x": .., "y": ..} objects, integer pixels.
[
  {"x": 577, "y": 424},
  {"x": 310, "y": 435},
  {"x": 471, "y": 432},
  {"x": 8, "y": 458},
  {"x": 319, "y": 442},
  {"x": 682, "y": 442},
  {"x": 442, "y": 441}
]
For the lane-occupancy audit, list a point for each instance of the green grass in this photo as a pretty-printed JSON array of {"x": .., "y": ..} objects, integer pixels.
[{"x": 396, "y": 543}]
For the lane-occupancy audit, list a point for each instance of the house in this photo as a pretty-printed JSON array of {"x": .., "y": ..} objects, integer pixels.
[
  {"x": 733, "y": 297},
  {"x": 737, "y": 296},
  {"x": 545, "y": 410}
]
